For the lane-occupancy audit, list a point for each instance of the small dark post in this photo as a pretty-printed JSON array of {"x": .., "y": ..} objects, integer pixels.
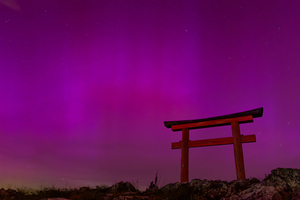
[
  {"x": 238, "y": 151},
  {"x": 185, "y": 156}
]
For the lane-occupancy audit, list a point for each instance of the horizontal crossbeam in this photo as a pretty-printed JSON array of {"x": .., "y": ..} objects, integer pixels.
[
  {"x": 213, "y": 123},
  {"x": 255, "y": 113},
  {"x": 214, "y": 142}
]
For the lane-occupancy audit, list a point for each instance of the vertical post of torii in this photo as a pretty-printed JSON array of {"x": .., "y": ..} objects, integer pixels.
[
  {"x": 237, "y": 139},
  {"x": 185, "y": 156},
  {"x": 238, "y": 151}
]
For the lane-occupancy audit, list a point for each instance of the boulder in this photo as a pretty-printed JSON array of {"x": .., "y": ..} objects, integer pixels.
[
  {"x": 282, "y": 183},
  {"x": 284, "y": 178},
  {"x": 122, "y": 187}
]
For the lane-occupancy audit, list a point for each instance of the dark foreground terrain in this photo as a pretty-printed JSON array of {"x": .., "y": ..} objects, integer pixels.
[{"x": 282, "y": 183}]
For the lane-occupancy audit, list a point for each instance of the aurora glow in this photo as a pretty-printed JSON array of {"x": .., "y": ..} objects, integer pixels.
[{"x": 86, "y": 85}]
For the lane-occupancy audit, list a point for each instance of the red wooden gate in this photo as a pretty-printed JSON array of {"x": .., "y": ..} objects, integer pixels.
[{"x": 237, "y": 139}]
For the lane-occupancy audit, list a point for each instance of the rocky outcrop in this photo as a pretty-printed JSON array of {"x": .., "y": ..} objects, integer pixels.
[
  {"x": 122, "y": 187},
  {"x": 281, "y": 184}
]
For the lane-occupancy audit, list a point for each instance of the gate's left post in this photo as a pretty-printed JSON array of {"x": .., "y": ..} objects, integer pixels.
[{"x": 185, "y": 156}]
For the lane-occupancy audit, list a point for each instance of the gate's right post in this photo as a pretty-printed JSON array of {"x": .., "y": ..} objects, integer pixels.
[{"x": 238, "y": 151}]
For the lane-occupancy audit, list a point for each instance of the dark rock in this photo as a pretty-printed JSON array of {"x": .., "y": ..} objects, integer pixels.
[
  {"x": 257, "y": 191},
  {"x": 238, "y": 186},
  {"x": 177, "y": 191},
  {"x": 7, "y": 193},
  {"x": 170, "y": 187},
  {"x": 122, "y": 187},
  {"x": 209, "y": 189},
  {"x": 284, "y": 178},
  {"x": 254, "y": 180},
  {"x": 84, "y": 189},
  {"x": 281, "y": 184}
]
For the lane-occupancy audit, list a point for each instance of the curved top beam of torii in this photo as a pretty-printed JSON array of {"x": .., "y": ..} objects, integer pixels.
[{"x": 254, "y": 113}]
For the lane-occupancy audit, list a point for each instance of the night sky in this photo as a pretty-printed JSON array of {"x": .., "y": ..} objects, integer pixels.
[{"x": 85, "y": 87}]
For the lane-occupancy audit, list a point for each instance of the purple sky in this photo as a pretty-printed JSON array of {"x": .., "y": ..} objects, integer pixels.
[{"x": 85, "y": 88}]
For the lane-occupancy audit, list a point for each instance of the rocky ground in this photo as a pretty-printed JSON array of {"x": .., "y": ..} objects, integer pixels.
[{"x": 281, "y": 184}]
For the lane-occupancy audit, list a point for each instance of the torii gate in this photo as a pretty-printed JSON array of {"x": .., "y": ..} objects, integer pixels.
[{"x": 234, "y": 120}]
